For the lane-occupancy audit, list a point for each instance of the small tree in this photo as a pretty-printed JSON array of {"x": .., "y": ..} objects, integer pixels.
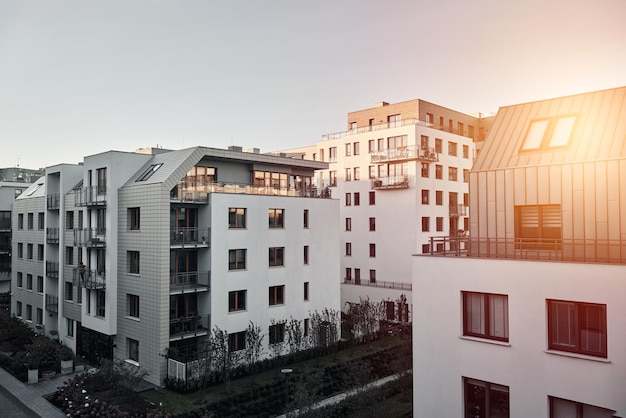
[
  {"x": 295, "y": 335},
  {"x": 254, "y": 348},
  {"x": 324, "y": 327},
  {"x": 223, "y": 360},
  {"x": 366, "y": 316},
  {"x": 277, "y": 341}
]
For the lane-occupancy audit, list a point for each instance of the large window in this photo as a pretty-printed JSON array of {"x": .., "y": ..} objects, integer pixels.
[
  {"x": 333, "y": 178},
  {"x": 237, "y": 300},
  {"x": 237, "y": 217},
  {"x": 133, "y": 219},
  {"x": 100, "y": 303},
  {"x": 277, "y": 295},
  {"x": 276, "y": 256},
  {"x": 237, "y": 341},
  {"x": 133, "y": 349},
  {"x": 277, "y": 333},
  {"x": 133, "y": 305},
  {"x": 486, "y": 315},
  {"x": 133, "y": 262},
  {"x": 30, "y": 221},
  {"x": 40, "y": 284},
  {"x": 276, "y": 218},
  {"x": 563, "y": 408},
  {"x": 29, "y": 282},
  {"x": 102, "y": 180},
  {"x": 452, "y": 148},
  {"x": 538, "y": 225},
  {"x": 69, "y": 219},
  {"x": 484, "y": 399},
  {"x": 577, "y": 327},
  {"x": 237, "y": 259}
]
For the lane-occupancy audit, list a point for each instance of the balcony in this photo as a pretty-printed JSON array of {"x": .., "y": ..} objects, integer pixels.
[
  {"x": 385, "y": 125},
  {"x": 408, "y": 153},
  {"x": 90, "y": 237},
  {"x": 189, "y": 327},
  {"x": 457, "y": 210},
  {"x": 381, "y": 284},
  {"x": 52, "y": 303},
  {"x": 52, "y": 235},
  {"x": 90, "y": 196},
  {"x": 52, "y": 269},
  {"x": 53, "y": 201},
  {"x": 196, "y": 281},
  {"x": 186, "y": 195},
  {"x": 5, "y": 248},
  {"x": 190, "y": 237},
  {"x": 583, "y": 251},
  {"x": 390, "y": 182},
  {"x": 89, "y": 279},
  {"x": 5, "y": 224}
]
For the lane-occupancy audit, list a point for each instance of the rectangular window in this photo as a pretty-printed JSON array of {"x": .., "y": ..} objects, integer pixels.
[
  {"x": 393, "y": 121},
  {"x": 465, "y": 175},
  {"x": 236, "y": 217},
  {"x": 305, "y": 218},
  {"x": 20, "y": 279},
  {"x": 357, "y": 174},
  {"x": 80, "y": 219},
  {"x": 88, "y": 298},
  {"x": 237, "y": 341},
  {"x": 69, "y": 220},
  {"x": 40, "y": 220},
  {"x": 348, "y": 176},
  {"x": 424, "y": 171},
  {"x": 30, "y": 221},
  {"x": 439, "y": 222},
  {"x": 20, "y": 250},
  {"x": 305, "y": 327},
  {"x": 348, "y": 199},
  {"x": 438, "y": 171},
  {"x": 39, "y": 317},
  {"x": 69, "y": 291},
  {"x": 348, "y": 224},
  {"x": 381, "y": 144},
  {"x": 102, "y": 180},
  {"x": 425, "y": 224},
  {"x": 133, "y": 305},
  {"x": 133, "y": 349},
  {"x": 276, "y": 218},
  {"x": 276, "y": 256},
  {"x": 357, "y": 199},
  {"x": 40, "y": 284},
  {"x": 39, "y": 252},
  {"x": 372, "y": 196},
  {"x": 18, "y": 308},
  {"x": 277, "y": 333},
  {"x": 348, "y": 274},
  {"x": 372, "y": 250},
  {"x": 29, "y": 251},
  {"x": 134, "y": 219},
  {"x": 69, "y": 325},
  {"x": 277, "y": 295},
  {"x": 306, "y": 254},
  {"x": 538, "y": 226},
  {"x": 29, "y": 282},
  {"x": 69, "y": 256},
  {"x": 20, "y": 221},
  {"x": 452, "y": 173},
  {"x": 372, "y": 276},
  {"x": 348, "y": 150},
  {"x": 371, "y": 146},
  {"x": 425, "y": 197},
  {"x": 465, "y": 151},
  {"x": 452, "y": 148},
  {"x": 348, "y": 248},
  {"x": 357, "y": 276},
  {"x": 439, "y": 197},
  {"x": 486, "y": 315},
  {"x": 563, "y": 408},
  {"x": 237, "y": 300},
  {"x": 133, "y": 262},
  {"x": 485, "y": 399},
  {"x": 333, "y": 178},
  {"x": 332, "y": 155},
  {"x": 306, "y": 291},
  {"x": 237, "y": 259},
  {"x": 438, "y": 145},
  {"x": 577, "y": 327},
  {"x": 356, "y": 148},
  {"x": 29, "y": 312},
  {"x": 372, "y": 172},
  {"x": 372, "y": 224}
]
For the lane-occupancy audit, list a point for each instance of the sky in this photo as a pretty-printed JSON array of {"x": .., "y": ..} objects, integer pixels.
[{"x": 82, "y": 77}]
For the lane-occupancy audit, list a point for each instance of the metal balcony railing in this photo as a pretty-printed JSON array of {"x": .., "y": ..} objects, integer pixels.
[
  {"x": 5, "y": 248},
  {"x": 200, "y": 193},
  {"x": 52, "y": 303},
  {"x": 90, "y": 237},
  {"x": 190, "y": 237},
  {"x": 457, "y": 210},
  {"x": 383, "y": 284},
  {"x": 190, "y": 281},
  {"x": 411, "y": 152},
  {"x": 189, "y": 327},
  {"x": 52, "y": 235},
  {"x": 553, "y": 249},
  {"x": 385, "y": 125},
  {"x": 90, "y": 196},
  {"x": 52, "y": 269},
  {"x": 53, "y": 201},
  {"x": 390, "y": 182},
  {"x": 89, "y": 279}
]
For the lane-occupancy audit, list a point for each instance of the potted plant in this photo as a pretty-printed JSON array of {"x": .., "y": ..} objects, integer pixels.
[{"x": 67, "y": 360}]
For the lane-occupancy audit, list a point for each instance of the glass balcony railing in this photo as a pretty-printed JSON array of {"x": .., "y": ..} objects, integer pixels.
[
  {"x": 90, "y": 237},
  {"x": 190, "y": 281},
  {"x": 52, "y": 269},
  {"x": 411, "y": 152},
  {"x": 181, "y": 194},
  {"x": 457, "y": 210},
  {"x": 386, "y": 125},
  {"x": 52, "y": 303},
  {"x": 53, "y": 201},
  {"x": 190, "y": 237},
  {"x": 390, "y": 182},
  {"x": 376, "y": 283},
  {"x": 90, "y": 196},
  {"x": 89, "y": 279},
  {"x": 52, "y": 235},
  {"x": 189, "y": 326}
]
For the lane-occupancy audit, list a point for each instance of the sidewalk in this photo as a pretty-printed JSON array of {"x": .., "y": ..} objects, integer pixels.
[{"x": 31, "y": 396}]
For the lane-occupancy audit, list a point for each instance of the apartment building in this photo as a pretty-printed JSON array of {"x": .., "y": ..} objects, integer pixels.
[
  {"x": 401, "y": 173},
  {"x": 140, "y": 255},
  {"x": 13, "y": 181},
  {"x": 526, "y": 316}
]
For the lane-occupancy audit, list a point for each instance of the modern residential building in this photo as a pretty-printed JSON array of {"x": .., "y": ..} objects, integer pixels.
[
  {"x": 13, "y": 181},
  {"x": 526, "y": 316},
  {"x": 401, "y": 172},
  {"x": 135, "y": 256}
]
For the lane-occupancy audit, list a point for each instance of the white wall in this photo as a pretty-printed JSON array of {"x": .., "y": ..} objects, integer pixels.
[{"x": 441, "y": 357}]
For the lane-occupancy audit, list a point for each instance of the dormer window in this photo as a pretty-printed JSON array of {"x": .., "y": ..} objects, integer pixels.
[{"x": 549, "y": 133}]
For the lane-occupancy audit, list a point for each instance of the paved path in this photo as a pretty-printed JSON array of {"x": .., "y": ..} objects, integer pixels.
[{"x": 28, "y": 399}]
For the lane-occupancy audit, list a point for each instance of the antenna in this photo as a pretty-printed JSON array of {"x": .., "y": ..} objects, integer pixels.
[{"x": 18, "y": 162}]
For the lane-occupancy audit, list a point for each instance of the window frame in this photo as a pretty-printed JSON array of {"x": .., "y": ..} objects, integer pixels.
[
  {"x": 577, "y": 313},
  {"x": 276, "y": 257},
  {"x": 485, "y": 317},
  {"x": 133, "y": 349},
  {"x": 489, "y": 388},
  {"x": 237, "y": 300},
  {"x": 238, "y": 262},
  {"x": 276, "y": 333},
  {"x": 237, "y": 219},
  {"x": 276, "y": 218},
  {"x": 276, "y": 295},
  {"x": 134, "y": 219},
  {"x": 133, "y": 259},
  {"x": 133, "y": 305},
  {"x": 237, "y": 341}
]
